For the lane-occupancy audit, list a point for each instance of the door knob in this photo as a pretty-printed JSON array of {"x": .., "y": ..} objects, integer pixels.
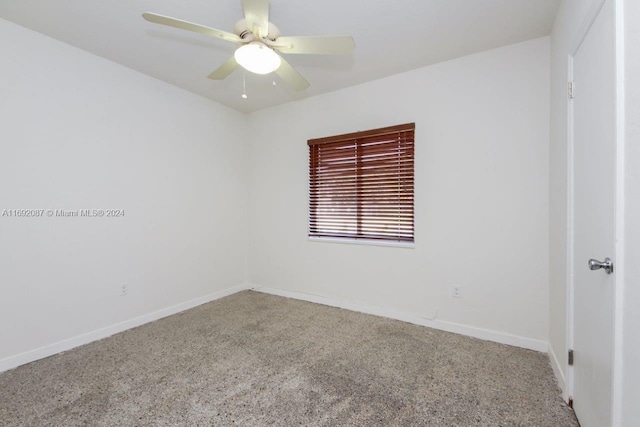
[{"x": 607, "y": 264}]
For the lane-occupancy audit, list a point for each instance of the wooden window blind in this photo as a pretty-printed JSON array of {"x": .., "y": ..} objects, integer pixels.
[{"x": 361, "y": 185}]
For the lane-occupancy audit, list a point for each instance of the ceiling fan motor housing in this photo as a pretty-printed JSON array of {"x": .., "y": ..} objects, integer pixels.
[{"x": 241, "y": 30}]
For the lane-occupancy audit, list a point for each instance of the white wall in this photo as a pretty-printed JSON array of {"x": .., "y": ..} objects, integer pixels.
[
  {"x": 570, "y": 17},
  {"x": 80, "y": 132},
  {"x": 481, "y": 193},
  {"x": 631, "y": 343}
]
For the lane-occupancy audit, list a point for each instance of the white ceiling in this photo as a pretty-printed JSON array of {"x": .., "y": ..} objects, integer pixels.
[{"x": 391, "y": 36}]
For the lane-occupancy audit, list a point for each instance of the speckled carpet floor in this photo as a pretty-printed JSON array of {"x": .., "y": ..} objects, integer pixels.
[{"x": 253, "y": 359}]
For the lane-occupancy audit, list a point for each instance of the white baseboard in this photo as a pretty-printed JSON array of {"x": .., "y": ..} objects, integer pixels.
[
  {"x": 558, "y": 372},
  {"x": 60, "y": 346},
  {"x": 484, "y": 334}
]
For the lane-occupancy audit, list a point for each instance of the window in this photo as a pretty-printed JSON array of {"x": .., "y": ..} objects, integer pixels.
[{"x": 361, "y": 185}]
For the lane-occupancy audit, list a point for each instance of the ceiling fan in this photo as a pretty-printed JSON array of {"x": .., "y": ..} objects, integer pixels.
[{"x": 259, "y": 40}]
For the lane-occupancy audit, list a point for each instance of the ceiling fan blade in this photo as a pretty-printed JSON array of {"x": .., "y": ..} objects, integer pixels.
[
  {"x": 190, "y": 26},
  {"x": 291, "y": 76},
  {"x": 328, "y": 45},
  {"x": 224, "y": 70},
  {"x": 256, "y": 14}
]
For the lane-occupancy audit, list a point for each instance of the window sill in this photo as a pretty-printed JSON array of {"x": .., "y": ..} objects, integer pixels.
[{"x": 407, "y": 245}]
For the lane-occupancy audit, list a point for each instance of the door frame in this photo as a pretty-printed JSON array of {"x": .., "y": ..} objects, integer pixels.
[{"x": 617, "y": 368}]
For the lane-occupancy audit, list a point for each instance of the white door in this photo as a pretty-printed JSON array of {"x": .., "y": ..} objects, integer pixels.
[{"x": 594, "y": 155}]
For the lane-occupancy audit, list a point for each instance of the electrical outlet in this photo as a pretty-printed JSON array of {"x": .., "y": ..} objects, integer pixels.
[
  {"x": 456, "y": 291},
  {"x": 123, "y": 290}
]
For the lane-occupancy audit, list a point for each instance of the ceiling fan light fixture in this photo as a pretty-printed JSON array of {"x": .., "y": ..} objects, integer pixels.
[{"x": 257, "y": 58}]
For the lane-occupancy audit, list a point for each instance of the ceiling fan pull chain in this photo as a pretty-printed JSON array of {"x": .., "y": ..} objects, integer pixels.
[{"x": 244, "y": 85}]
